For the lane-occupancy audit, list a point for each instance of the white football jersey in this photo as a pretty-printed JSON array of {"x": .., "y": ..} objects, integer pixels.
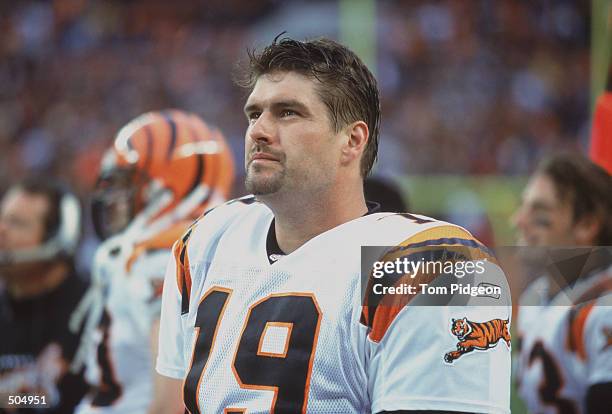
[
  {"x": 119, "y": 362},
  {"x": 248, "y": 336},
  {"x": 565, "y": 347}
]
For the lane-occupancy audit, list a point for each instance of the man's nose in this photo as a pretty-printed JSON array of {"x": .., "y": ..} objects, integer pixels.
[{"x": 262, "y": 129}]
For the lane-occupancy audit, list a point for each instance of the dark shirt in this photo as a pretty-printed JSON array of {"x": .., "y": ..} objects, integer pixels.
[{"x": 37, "y": 347}]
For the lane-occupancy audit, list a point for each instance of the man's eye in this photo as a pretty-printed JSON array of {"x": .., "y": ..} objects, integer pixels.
[
  {"x": 287, "y": 112},
  {"x": 253, "y": 116},
  {"x": 15, "y": 222},
  {"x": 542, "y": 221}
]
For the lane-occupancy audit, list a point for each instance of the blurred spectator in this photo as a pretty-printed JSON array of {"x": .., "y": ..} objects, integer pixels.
[
  {"x": 565, "y": 226},
  {"x": 474, "y": 87},
  {"x": 39, "y": 229},
  {"x": 386, "y": 193}
]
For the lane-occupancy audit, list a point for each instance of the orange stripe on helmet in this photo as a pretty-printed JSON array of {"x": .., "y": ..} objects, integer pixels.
[{"x": 177, "y": 150}]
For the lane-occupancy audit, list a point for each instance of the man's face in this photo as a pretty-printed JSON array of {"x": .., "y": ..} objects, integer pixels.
[
  {"x": 543, "y": 219},
  {"x": 22, "y": 220},
  {"x": 290, "y": 144}
]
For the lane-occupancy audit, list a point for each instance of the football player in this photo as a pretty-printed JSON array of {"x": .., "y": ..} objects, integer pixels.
[
  {"x": 262, "y": 308},
  {"x": 565, "y": 318},
  {"x": 162, "y": 171}
]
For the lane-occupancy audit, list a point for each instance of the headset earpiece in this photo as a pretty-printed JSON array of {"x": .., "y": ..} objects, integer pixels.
[{"x": 69, "y": 230}]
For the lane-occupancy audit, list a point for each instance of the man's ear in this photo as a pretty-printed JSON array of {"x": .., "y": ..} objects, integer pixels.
[
  {"x": 587, "y": 229},
  {"x": 356, "y": 137}
]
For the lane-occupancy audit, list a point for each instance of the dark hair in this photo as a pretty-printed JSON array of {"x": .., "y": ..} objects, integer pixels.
[
  {"x": 584, "y": 184},
  {"x": 347, "y": 87},
  {"x": 53, "y": 192}
]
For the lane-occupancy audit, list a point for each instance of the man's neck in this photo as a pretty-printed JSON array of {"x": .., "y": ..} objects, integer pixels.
[
  {"x": 297, "y": 221},
  {"x": 24, "y": 287}
]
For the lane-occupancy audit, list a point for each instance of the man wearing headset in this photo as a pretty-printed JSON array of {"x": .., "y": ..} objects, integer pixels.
[{"x": 39, "y": 232}]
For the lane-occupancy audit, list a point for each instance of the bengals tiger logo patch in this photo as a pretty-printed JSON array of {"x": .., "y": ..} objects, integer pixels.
[{"x": 477, "y": 335}]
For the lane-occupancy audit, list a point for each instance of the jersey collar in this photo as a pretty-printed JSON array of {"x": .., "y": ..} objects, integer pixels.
[{"x": 273, "y": 250}]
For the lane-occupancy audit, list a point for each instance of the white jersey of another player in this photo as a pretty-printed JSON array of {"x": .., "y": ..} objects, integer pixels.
[
  {"x": 163, "y": 169},
  {"x": 250, "y": 334},
  {"x": 119, "y": 360},
  {"x": 565, "y": 347}
]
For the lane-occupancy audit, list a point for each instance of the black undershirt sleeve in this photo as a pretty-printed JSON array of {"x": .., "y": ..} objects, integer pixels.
[{"x": 598, "y": 398}]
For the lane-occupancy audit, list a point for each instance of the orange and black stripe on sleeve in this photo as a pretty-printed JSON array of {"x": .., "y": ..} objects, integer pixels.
[
  {"x": 440, "y": 244},
  {"x": 577, "y": 322},
  {"x": 183, "y": 273},
  {"x": 579, "y": 314}
]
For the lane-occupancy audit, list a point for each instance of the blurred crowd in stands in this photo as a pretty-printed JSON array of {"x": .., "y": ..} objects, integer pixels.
[{"x": 468, "y": 86}]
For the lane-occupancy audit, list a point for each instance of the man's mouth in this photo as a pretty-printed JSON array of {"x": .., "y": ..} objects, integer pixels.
[{"x": 263, "y": 156}]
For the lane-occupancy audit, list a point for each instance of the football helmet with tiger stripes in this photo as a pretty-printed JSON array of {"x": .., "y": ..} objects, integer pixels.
[{"x": 163, "y": 166}]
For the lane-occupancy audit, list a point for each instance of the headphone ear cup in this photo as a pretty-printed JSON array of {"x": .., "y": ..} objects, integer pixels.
[{"x": 69, "y": 230}]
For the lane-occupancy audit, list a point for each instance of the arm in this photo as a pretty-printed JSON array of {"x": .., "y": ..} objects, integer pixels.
[{"x": 167, "y": 392}]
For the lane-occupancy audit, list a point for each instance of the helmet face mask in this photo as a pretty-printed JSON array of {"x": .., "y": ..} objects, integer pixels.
[{"x": 114, "y": 203}]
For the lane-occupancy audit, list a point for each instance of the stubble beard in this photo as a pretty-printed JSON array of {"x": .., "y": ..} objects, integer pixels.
[{"x": 258, "y": 182}]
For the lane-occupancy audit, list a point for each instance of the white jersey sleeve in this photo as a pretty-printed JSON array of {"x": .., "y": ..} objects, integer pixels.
[
  {"x": 170, "y": 360},
  {"x": 437, "y": 350},
  {"x": 408, "y": 371},
  {"x": 175, "y": 344}
]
